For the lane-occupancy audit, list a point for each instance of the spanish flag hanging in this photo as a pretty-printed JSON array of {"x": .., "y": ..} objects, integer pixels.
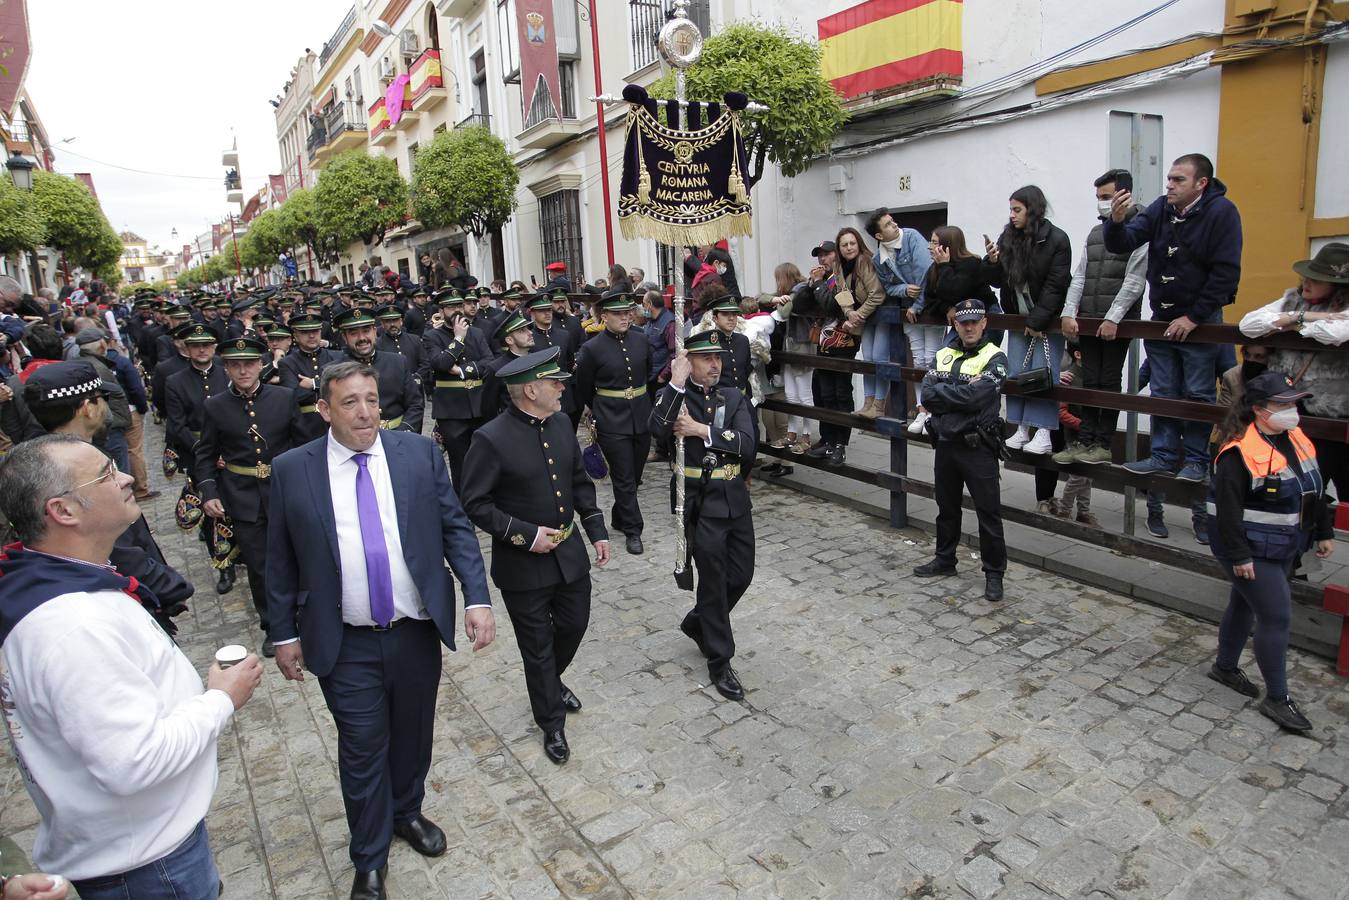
[
  {"x": 883, "y": 44},
  {"x": 683, "y": 187}
]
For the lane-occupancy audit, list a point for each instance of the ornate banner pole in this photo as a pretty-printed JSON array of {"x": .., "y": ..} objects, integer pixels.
[{"x": 681, "y": 43}]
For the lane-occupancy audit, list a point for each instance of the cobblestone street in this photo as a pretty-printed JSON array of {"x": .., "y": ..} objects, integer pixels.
[{"x": 899, "y": 739}]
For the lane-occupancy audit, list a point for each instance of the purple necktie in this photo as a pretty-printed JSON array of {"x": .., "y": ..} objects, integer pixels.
[{"x": 372, "y": 536}]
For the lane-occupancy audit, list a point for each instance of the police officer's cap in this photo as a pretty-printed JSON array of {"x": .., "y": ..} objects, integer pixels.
[
  {"x": 66, "y": 382},
  {"x": 246, "y": 347},
  {"x": 969, "y": 311},
  {"x": 1272, "y": 387},
  {"x": 710, "y": 341},
  {"x": 355, "y": 317},
  {"x": 533, "y": 367}
]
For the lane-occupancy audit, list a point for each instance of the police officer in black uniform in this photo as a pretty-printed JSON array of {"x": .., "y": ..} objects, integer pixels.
[
  {"x": 963, "y": 392},
  {"x": 393, "y": 338},
  {"x": 736, "y": 364},
  {"x": 400, "y": 393},
  {"x": 515, "y": 338},
  {"x": 300, "y": 370},
  {"x": 456, "y": 351},
  {"x": 246, "y": 426},
  {"x": 524, "y": 485},
  {"x": 611, "y": 380},
  {"x": 185, "y": 395},
  {"x": 717, "y": 427}
]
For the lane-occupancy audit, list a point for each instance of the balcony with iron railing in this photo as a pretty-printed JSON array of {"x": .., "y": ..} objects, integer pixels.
[
  {"x": 345, "y": 124},
  {"x": 335, "y": 42},
  {"x": 475, "y": 120},
  {"x": 646, "y": 18},
  {"x": 318, "y": 137}
]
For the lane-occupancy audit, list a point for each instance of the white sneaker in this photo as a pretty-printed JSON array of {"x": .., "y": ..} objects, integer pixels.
[
  {"x": 1040, "y": 444},
  {"x": 919, "y": 422},
  {"x": 1018, "y": 440}
]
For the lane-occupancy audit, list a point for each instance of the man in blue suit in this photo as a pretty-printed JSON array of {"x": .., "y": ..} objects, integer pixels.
[{"x": 358, "y": 592}]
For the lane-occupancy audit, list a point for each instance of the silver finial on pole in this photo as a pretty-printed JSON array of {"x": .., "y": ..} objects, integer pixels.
[{"x": 680, "y": 43}]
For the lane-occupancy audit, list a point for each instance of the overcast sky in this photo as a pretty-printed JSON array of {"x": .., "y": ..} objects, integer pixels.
[{"x": 158, "y": 85}]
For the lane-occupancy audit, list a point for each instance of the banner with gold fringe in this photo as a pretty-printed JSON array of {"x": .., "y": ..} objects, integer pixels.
[{"x": 684, "y": 187}]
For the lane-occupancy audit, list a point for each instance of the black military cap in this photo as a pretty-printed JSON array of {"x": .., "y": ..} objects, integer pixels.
[
  {"x": 180, "y": 332},
  {"x": 198, "y": 333},
  {"x": 619, "y": 302},
  {"x": 276, "y": 331},
  {"x": 246, "y": 347},
  {"x": 244, "y": 305},
  {"x": 705, "y": 342},
  {"x": 306, "y": 322},
  {"x": 513, "y": 322},
  {"x": 1270, "y": 386},
  {"x": 540, "y": 301},
  {"x": 178, "y": 312},
  {"x": 388, "y": 312},
  {"x": 448, "y": 296},
  {"x": 725, "y": 304},
  {"x": 66, "y": 381},
  {"x": 533, "y": 367},
  {"x": 969, "y": 311},
  {"x": 355, "y": 317}
]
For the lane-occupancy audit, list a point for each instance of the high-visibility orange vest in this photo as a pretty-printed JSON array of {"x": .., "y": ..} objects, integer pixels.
[{"x": 1272, "y": 514}]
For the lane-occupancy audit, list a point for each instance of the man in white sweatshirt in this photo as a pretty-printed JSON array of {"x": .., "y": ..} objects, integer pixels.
[{"x": 115, "y": 737}]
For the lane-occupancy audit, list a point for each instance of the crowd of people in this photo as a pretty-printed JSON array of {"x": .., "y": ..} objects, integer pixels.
[{"x": 298, "y": 411}]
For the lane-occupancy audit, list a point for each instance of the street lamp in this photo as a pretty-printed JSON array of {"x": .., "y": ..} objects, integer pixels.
[{"x": 21, "y": 170}]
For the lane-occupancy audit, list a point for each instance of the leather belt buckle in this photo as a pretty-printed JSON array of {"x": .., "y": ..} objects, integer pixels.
[{"x": 627, "y": 393}]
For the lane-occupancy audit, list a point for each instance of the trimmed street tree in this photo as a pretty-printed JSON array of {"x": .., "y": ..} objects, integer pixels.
[
  {"x": 21, "y": 224},
  {"x": 361, "y": 197},
  {"x": 265, "y": 241},
  {"x": 75, "y": 223},
  {"x": 464, "y": 178},
  {"x": 300, "y": 225},
  {"x": 780, "y": 70}
]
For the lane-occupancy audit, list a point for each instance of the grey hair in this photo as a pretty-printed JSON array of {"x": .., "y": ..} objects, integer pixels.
[
  {"x": 9, "y": 287},
  {"x": 29, "y": 477},
  {"x": 341, "y": 372},
  {"x": 517, "y": 391}
]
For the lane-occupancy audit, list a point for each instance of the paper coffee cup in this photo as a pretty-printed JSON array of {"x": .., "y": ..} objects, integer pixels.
[{"x": 231, "y": 655}]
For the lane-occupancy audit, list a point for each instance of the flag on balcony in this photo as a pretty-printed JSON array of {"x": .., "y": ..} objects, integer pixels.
[
  {"x": 884, "y": 44},
  {"x": 540, "y": 85},
  {"x": 684, "y": 187},
  {"x": 278, "y": 183}
]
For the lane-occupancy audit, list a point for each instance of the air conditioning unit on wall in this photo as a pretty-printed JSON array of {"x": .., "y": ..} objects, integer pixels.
[
  {"x": 410, "y": 44},
  {"x": 386, "y": 69}
]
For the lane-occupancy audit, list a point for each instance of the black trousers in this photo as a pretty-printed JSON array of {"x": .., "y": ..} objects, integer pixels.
[
  {"x": 664, "y": 445},
  {"x": 251, "y": 539},
  {"x": 1102, "y": 369},
  {"x": 456, "y": 435},
  {"x": 626, "y": 457},
  {"x": 382, "y": 694},
  {"x": 956, "y": 468},
  {"x": 549, "y": 625},
  {"x": 833, "y": 390},
  {"x": 1047, "y": 480},
  {"x": 723, "y": 551}
]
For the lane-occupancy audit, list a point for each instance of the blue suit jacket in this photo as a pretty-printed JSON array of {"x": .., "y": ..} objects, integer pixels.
[{"x": 304, "y": 571}]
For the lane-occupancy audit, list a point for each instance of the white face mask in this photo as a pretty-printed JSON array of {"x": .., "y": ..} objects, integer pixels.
[
  {"x": 1103, "y": 208},
  {"x": 1284, "y": 419}
]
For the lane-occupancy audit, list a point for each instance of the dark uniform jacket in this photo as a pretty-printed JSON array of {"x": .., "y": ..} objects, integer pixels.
[
  {"x": 185, "y": 395},
  {"x": 399, "y": 393},
  {"x": 146, "y": 344},
  {"x": 299, "y": 364},
  {"x": 731, "y": 418},
  {"x": 558, "y": 336},
  {"x": 455, "y": 397},
  {"x": 495, "y": 398},
  {"x": 218, "y": 327},
  {"x": 406, "y": 345},
  {"x": 963, "y": 390},
  {"x": 247, "y": 432},
  {"x": 609, "y": 363},
  {"x": 736, "y": 364},
  {"x": 522, "y": 473},
  {"x": 414, "y": 319},
  {"x": 160, "y": 378}
]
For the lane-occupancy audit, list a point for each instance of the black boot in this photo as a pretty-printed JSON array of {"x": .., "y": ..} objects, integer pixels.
[
  {"x": 992, "y": 586},
  {"x": 225, "y": 583}
]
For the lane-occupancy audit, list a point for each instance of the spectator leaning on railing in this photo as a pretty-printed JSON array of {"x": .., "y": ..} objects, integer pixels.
[
  {"x": 1105, "y": 286},
  {"x": 1193, "y": 235},
  {"x": 901, "y": 262},
  {"x": 1317, "y": 309},
  {"x": 795, "y": 312}
]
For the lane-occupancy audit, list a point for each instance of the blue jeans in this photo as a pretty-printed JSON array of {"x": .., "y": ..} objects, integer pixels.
[
  {"x": 1183, "y": 371},
  {"x": 188, "y": 873},
  {"x": 115, "y": 443},
  {"x": 875, "y": 348},
  {"x": 1033, "y": 413}
]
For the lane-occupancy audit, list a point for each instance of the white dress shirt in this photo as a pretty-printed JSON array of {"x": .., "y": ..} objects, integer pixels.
[{"x": 342, "y": 468}]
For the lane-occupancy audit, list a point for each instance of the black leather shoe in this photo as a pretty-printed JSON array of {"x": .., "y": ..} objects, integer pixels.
[
  {"x": 268, "y": 648},
  {"x": 422, "y": 835},
  {"x": 838, "y": 456},
  {"x": 570, "y": 700},
  {"x": 225, "y": 583},
  {"x": 1235, "y": 679},
  {"x": 934, "y": 569},
  {"x": 992, "y": 586},
  {"x": 773, "y": 468},
  {"x": 1285, "y": 714},
  {"x": 555, "y": 745},
  {"x": 634, "y": 544},
  {"x": 727, "y": 684},
  {"x": 695, "y": 634},
  {"x": 820, "y": 450},
  {"x": 369, "y": 885}
]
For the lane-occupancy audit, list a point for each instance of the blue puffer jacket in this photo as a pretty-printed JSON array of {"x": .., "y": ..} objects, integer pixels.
[{"x": 1194, "y": 263}]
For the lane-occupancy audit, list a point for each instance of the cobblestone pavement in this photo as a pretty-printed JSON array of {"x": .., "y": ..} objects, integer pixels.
[{"x": 899, "y": 739}]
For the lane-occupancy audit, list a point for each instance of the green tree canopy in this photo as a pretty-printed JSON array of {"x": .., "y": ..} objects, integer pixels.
[
  {"x": 466, "y": 178},
  {"x": 265, "y": 240},
  {"x": 75, "y": 223},
  {"x": 300, "y": 223},
  {"x": 221, "y": 266},
  {"x": 361, "y": 197},
  {"x": 190, "y": 278},
  {"x": 780, "y": 70},
  {"x": 21, "y": 225}
]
